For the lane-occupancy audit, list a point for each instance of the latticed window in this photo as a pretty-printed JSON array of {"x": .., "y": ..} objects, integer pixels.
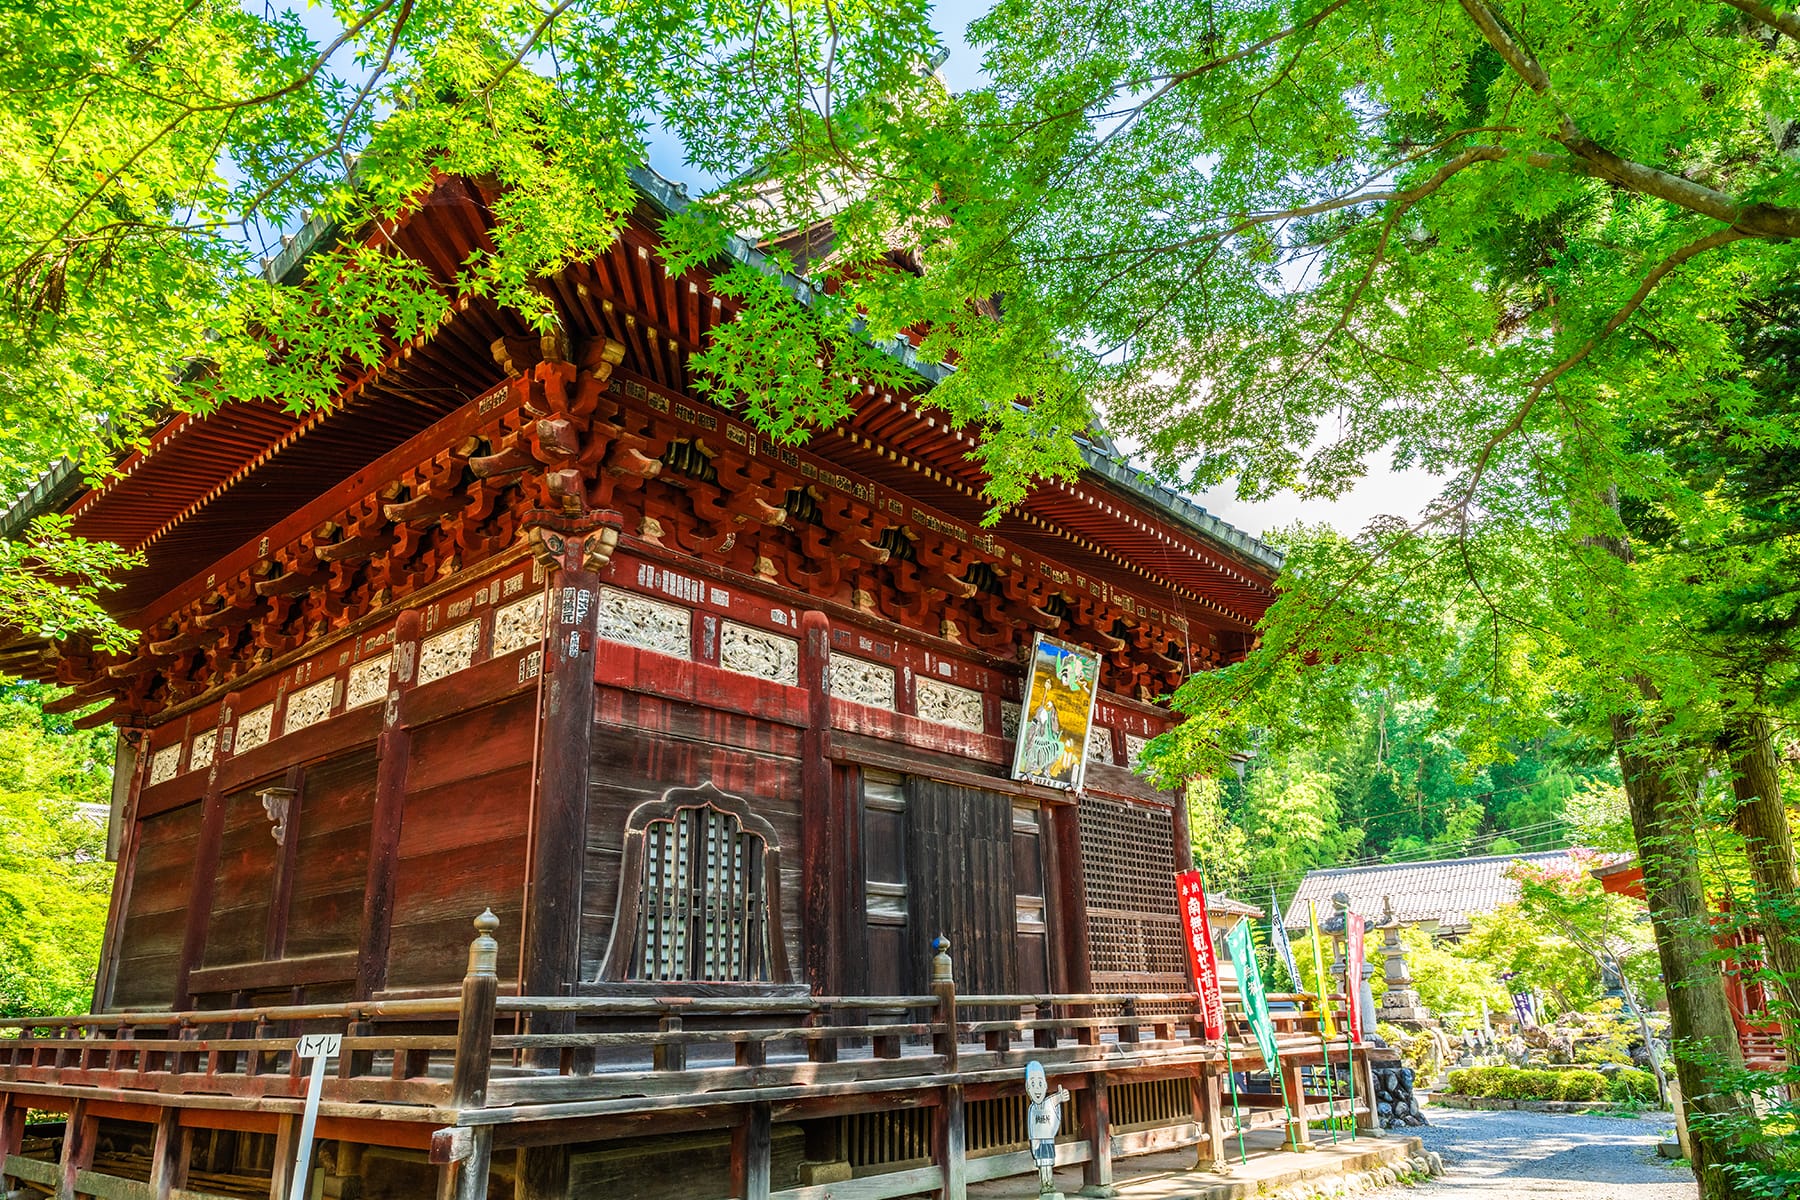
[
  {"x": 1134, "y": 932},
  {"x": 703, "y": 912},
  {"x": 699, "y": 894}
]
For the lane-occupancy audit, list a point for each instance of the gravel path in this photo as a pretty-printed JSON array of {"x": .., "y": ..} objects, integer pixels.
[{"x": 1495, "y": 1155}]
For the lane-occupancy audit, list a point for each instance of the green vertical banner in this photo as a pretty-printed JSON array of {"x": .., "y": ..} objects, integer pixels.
[{"x": 1250, "y": 987}]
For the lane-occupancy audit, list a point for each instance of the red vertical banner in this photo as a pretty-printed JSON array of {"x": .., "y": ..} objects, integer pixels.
[
  {"x": 1354, "y": 931},
  {"x": 1191, "y": 899}
]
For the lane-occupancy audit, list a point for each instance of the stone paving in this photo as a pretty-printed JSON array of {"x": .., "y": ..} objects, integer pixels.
[{"x": 1527, "y": 1156}]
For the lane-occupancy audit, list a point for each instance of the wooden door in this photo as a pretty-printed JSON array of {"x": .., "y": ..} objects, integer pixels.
[{"x": 959, "y": 858}]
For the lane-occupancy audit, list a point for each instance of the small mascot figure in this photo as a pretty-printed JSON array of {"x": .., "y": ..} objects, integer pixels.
[{"x": 1042, "y": 1119}]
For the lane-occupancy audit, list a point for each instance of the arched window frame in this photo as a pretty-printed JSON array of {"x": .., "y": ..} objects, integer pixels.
[{"x": 622, "y": 946}]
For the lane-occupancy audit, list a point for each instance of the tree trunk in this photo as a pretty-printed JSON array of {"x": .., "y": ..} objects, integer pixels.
[
  {"x": 1665, "y": 817},
  {"x": 1761, "y": 818}
]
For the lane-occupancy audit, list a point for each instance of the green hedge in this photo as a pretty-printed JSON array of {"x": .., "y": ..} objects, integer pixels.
[
  {"x": 1511, "y": 1083},
  {"x": 1632, "y": 1084}
]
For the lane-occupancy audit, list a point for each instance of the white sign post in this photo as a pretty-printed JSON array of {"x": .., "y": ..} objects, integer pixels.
[{"x": 319, "y": 1047}]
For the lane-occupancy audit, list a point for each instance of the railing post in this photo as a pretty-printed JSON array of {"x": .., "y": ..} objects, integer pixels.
[
  {"x": 669, "y": 1056},
  {"x": 943, "y": 986},
  {"x": 468, "y": 1179}
]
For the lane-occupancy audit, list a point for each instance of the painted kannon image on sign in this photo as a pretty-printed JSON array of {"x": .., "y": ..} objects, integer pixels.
[{"x": 1059, "y": 706}]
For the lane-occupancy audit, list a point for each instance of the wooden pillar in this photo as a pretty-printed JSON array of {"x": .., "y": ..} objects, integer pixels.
[
  {"x": 820, "y": 831},
  {"x": 287, "y": 1141},
  {"x": 1184, "y": 838},
  {"x": 77, "y": 1149},
  {"x": 542, "y": 1173},
  {"x": 468, "y": 1179},
  {"x": 1210, "y": 1110},
  {"x": 752, "y": 1141},
  {"x": 1368, "y": 1123},
  {"x": 1071, "y": 899},
  {"x": 1096, "y": 1127},
  {"x": 206, "y": 858},
  {"x": 167, "y": 1160},
  {"x": 1294, "y": 1089},
  {"x": 572, "y": 554},
  {"x": 951, "y": 1149},
  {"x": 12, "y": 1124},
  {"x": 392, "y": 750}
]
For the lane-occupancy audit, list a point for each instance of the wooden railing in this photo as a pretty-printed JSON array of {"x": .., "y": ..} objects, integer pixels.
[
  {"x": 481, "y": 1051},
  {"x": 479, "y": 1061}
]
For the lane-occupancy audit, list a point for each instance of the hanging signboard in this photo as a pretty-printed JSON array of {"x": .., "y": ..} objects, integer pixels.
[
  {"x": 1354, "y": 930},
  {"x": 1060, "y": 688},
  {"x": 1190, "y": 896}
]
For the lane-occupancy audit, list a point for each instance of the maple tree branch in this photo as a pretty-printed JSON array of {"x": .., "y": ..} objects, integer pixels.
[
  {"x": 1774, "y": 222},
  {"x": 1787, "y": 23}
]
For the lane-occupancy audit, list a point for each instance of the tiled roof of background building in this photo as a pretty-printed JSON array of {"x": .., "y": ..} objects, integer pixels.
[{"x": 1449, "y": 892}]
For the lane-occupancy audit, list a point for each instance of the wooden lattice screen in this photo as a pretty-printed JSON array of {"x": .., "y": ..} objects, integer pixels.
[
  {"x": 1127, "y": 867},
  {"x": 702, "y": 909}
]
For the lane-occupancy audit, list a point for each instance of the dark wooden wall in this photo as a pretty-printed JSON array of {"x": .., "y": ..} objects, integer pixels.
[
  {"x": 643, "y": 746},
  {"x": 156, "y": 909},
  {"x": 959, "y": 854},
  {"x": 462, "y": 841},
  {"x": 331, "y": 863}
]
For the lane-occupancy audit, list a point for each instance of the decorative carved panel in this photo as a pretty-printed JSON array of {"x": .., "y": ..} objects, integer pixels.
[
  {"x": 757, "y": 652},
  {"x": 862, "y": 681},
  {"x": 200, "y": 755},
  {"x": 948, "y": 704},
  {"x": 164, "y": 763},
  {"x": 309, "y": 705},
  {"x": 519, "y": 624},
  {"x": 253, "y": 729},
  {"x": 448, "y": 652},
  {"x": 1009, "y": 719},
  {"x": 1134, "y": 749},
  {"x": 368, "y": 681},
  {"x": 646, "y": 624},
  {"x": 1100, "y": 745}
]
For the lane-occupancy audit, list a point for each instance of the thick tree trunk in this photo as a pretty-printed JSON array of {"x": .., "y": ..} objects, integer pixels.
[
  {"x": 1665, "y": 818},
  {"x": 1761, "y": 818}
]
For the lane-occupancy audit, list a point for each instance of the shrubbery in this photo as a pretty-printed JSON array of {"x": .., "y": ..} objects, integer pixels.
[
  {"x": 1511, "y": 1083},
  {"x": 1630, "y": 1085}
]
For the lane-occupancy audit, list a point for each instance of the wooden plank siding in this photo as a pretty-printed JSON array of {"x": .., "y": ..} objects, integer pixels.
[
  {"x": 960, "y": 882},
  {"x": 156, "y": 910},
  {"x": 462, "y": 841}
]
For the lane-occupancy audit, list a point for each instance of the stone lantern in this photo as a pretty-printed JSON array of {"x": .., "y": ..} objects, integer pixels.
[{"x": 1400, "y": 1005}]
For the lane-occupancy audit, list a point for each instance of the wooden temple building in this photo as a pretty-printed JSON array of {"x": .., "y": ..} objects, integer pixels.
[{"x": 702, "y": 740}]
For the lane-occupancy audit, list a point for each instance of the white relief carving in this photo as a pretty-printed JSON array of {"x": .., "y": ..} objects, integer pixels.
[
  {"x": 1009, "y": 719},
  {"x": 860, "y": 680},
  {"x": 448, "y": 652},
  {"x": 1100, "y": 744},
  {"x": 948, "y": 704},
  {"x": 519, "y": 624},
  {"x": 646, "y": 624},
  {"x": 756, "y": 652},
  {"x": 200, "y": 754},
  {"x": 368, "y": 681},
  {"x": 253, "y": 728},
  {"x": 164, "y": 762},
  {"x": 309, "y": 705},
  {"x": 1134, "y": 749}
]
